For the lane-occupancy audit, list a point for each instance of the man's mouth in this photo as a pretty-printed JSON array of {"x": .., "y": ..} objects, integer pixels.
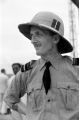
[{"x": 36, "y": 44}]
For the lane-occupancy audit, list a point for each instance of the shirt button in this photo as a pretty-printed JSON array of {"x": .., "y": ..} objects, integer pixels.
[
  {"x": 68, "y": 86},
  {"x": 48, "y": 100}
]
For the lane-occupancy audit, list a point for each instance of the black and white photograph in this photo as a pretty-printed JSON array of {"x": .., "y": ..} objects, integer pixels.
[{"x": 39, "y": 59}]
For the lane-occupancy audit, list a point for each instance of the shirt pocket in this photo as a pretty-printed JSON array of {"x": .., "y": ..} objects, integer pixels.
[
  {"x": 69, "y": 93},
  {"x": 35, "y": 99}
]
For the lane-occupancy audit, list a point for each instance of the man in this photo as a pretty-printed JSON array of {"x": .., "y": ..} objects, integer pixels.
[
  {"x": 51, "y": 83},
  {"x": 16, "y": 67},
  {"x": 3, "y": 87}
]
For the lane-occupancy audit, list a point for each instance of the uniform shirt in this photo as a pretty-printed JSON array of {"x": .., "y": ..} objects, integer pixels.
[
  {"x": 62, "y": 100},
  {"x": 3, "y": 82},
  {"x": 10, "y": 80}
]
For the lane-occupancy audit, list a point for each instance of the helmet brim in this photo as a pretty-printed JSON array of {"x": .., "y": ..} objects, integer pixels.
[{"x": 64, "y": 45}]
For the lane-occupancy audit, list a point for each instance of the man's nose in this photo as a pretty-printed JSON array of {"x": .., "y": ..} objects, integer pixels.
[{"x": 33, "y": 38}]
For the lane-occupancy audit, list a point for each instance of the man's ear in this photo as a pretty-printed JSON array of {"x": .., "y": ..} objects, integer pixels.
[{"x": 56, "y": 38}]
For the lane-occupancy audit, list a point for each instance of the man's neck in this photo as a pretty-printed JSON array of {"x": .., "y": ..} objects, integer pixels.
[{"x": 52, "y": 56}]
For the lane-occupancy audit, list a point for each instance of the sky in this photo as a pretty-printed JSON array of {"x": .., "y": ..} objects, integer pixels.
[{"x": 14, "y": 47}]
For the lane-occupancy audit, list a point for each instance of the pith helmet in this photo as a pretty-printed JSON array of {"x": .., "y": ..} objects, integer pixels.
[{"x": 51, "y": 22}]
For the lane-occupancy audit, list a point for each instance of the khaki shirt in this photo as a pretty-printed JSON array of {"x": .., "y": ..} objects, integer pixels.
[{"x": 62, "y": 100}]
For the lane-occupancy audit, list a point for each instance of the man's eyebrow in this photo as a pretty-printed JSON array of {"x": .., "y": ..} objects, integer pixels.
[{"x": 37, "y": 31}]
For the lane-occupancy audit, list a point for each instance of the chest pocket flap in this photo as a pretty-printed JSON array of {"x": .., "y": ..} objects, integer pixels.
[{"x": 70, "y": 94}]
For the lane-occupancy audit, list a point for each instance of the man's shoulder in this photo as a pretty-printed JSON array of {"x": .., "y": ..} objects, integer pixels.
[
  {"x": 12, "y": 77},
  {"x": 3, "y": 76},
  {"x": 29, "y": 65},
  {"x": 68, "y": 59},
  {"x": 69, "y": 68},
  {"x": 26, "y": 70}
]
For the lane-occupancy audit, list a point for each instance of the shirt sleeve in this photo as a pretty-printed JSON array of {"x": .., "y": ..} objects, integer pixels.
[{"x": 16, "y": 90}]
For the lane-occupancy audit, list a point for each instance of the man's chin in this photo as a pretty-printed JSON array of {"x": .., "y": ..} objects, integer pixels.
[{"x": 38, "y": 53}]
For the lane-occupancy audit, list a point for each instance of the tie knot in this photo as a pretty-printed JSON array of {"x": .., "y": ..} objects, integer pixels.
[{"x": 47, "y": 64}]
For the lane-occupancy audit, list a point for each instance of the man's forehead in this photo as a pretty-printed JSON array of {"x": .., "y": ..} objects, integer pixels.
[
  {"x": 37, "y": 28},
  {"x": 34, "y": 28},
  {"x": 15, "y": 66}
]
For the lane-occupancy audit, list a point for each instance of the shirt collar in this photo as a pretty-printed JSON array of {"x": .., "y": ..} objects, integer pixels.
[
  {"x": 54, "y": 61},
  {"x": 41, "y": 63}
]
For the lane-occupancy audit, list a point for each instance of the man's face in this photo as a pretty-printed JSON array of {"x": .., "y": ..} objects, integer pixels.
[
  {"x": 41, "y": 40},
  {"x": 16, "y": 69}
]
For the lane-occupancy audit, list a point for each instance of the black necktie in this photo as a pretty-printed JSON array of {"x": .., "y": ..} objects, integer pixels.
[{"x": 46, "y": 77}]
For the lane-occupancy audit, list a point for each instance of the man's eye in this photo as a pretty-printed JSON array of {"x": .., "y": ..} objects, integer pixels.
[
  {"x": 31, "y": 35},
  {"x": 38, "y": 34}
]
